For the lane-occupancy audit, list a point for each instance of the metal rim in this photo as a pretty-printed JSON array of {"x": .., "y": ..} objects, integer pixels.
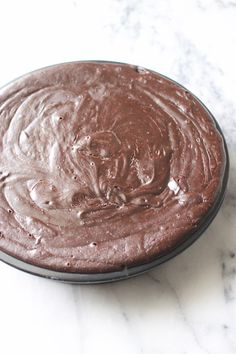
[{"x": 127, "y": 272}]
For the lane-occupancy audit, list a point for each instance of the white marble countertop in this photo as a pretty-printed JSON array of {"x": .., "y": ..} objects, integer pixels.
[{"x": 187, "y": 305}]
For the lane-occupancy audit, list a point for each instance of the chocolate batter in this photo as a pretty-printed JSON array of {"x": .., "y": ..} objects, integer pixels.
[{"x": 103, "y": 166}]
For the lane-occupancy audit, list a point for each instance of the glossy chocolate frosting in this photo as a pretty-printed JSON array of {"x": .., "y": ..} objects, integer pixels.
[{"x": 102, "y": 166}]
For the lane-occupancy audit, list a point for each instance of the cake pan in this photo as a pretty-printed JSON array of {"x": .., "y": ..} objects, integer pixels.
[{"x": 128, "y": 272}]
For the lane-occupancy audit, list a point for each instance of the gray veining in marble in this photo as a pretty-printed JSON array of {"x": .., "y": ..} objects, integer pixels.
[{"x": 187, "y": 305}]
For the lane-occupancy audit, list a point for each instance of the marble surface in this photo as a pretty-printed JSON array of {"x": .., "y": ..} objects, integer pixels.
[{"x": 187, "y": 305}]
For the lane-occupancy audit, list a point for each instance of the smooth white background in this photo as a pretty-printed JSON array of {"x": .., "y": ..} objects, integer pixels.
[{"x": 187, "y": 305}]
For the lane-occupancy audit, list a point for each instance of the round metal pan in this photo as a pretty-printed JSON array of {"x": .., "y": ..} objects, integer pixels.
[{"x": 127, "y": 272}]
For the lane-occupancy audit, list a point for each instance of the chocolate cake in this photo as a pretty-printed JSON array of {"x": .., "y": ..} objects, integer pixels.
[{"x": 103, "y": 166}]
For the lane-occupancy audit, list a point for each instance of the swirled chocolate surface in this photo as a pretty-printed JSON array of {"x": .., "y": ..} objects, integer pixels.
[{"x": 103, "y": 166}]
